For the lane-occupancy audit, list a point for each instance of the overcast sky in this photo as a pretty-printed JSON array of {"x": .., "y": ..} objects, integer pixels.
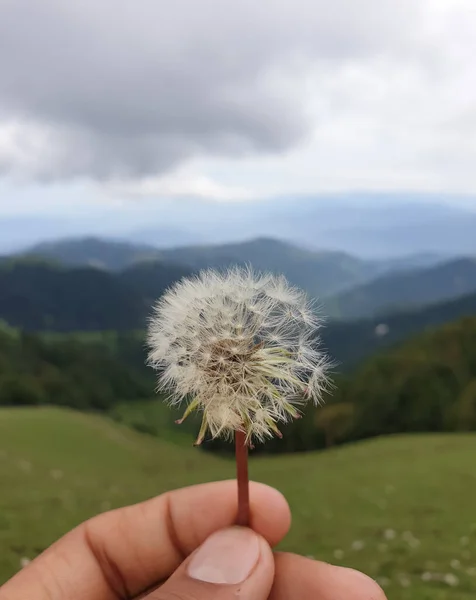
[{"x": 117, "y": 100}]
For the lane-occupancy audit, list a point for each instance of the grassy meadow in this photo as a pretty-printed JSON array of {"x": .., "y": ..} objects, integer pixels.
[{"x": 399, "y": 508}]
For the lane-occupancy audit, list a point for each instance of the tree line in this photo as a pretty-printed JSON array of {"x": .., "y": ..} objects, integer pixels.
[{"x": 427, "y": 384}]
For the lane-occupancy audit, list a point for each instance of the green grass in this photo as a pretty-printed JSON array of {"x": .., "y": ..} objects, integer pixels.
[
  {"x": 154, "y": 417},
  {"x": 400, "y": 509}
]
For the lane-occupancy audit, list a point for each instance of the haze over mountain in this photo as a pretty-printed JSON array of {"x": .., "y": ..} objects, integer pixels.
[
  {"x": 38, "y": 296},
  {"x": 319, "y": 273},
  {"x": 371, "y": 226},
  {"x": 406, "y": 290},
  {"x": 91, "y": 251},
  {"x": 349, "y": 342}
]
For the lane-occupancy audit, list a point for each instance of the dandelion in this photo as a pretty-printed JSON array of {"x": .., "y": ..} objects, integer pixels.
[
  {"x": 404, "y": 580},
  {"x": 339, "y": 554},
  {"x": 24, "y": 562},
  {"x": 390, "y": 534},
  {"x": 455, "y": 564},
  {"x": 451, "y": 579},
  {"x": 358, "y": 545},
  {"x": 240, "y": 348}
]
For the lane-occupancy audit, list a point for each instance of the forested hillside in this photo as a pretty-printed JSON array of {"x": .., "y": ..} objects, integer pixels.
[
  {"x": 427, "y": 384},
  {"x": 406, "y": 290},
  {"x": 38, "y": 296}
]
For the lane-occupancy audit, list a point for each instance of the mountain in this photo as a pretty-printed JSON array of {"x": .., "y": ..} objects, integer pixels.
[
  {"x": 405, "y": 290},
  {"x": 96, "y": 252},
  {"x": 41, "y": 296},
  {"x": 151, "y": 279},
  {"x": 37, "y": 296},
  {"x": 350, "y": 342},
  {"x": 426, "y": 384},
  {"x": 319, "y": 273},
  {"x": 369, "y": 225}
]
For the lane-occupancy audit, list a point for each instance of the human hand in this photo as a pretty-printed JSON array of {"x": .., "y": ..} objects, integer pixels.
[{"x": 183, "y": 546}]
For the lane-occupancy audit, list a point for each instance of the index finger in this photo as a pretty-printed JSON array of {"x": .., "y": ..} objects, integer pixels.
[{"x": 119, "y": 554}]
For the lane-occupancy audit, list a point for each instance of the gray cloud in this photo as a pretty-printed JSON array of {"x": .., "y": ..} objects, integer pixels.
[{"x": 126, "y": 89}]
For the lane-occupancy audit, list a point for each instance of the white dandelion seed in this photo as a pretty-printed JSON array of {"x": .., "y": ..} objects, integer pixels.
[
  {"x": 358, "y": 545},
  {"x": 404, "y": 580},
  {"x": 242, "y": 348},
  {"x": 451, "y": 579},
  {"x": 390, "y": 534}
]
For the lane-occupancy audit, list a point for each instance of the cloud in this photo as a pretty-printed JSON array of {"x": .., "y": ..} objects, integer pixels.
[
  {"x": 230, "y": 99},
  {"x": 108, "y": 89},
  {"x": 176, "y": 185}
]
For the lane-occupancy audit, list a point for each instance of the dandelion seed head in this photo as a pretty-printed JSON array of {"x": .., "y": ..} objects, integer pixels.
[
  {"x": 358, "y": 545},
  {"x": 390, "y": 534},
  {"x": 455, "y": 564},
  {"x": 240, "y": 347},
  {"x": 451, "y": 579}
]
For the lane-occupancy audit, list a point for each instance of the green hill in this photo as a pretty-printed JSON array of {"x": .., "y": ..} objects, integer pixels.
[
  {"x": 423, "y": 385},
  {"x": 319, "y": 273},
  {"x": 406, "y": 290},
  {"x": 401, "y": 508},
  {"x": 40, "y": 296},
  {"x": 426, "y": 384},
  {"x": 90, "y": 251},
  {"x": 69, "y": 294},
  {"x": 90, "y": 372},
  {"x": 350, "y": 342}
]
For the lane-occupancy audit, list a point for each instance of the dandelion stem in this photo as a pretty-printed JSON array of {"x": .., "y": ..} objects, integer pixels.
[{"x": 241, "y": 453}]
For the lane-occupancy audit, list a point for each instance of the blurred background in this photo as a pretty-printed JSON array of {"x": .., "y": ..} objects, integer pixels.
[{"x": 333, "y": 143}]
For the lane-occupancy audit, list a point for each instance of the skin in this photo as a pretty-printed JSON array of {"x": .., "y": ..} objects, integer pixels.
[{"x": 143, "y": 551}]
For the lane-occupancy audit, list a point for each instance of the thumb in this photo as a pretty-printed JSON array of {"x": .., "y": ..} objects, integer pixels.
[{"x": 231, "y": 563}]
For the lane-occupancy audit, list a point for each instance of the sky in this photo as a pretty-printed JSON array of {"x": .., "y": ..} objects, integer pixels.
[{"x": 116, "y": 102}]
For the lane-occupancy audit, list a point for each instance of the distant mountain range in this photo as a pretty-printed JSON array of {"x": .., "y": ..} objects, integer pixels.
[
  {"x": 350, "y": 342},
  {"x": 39, "y": 296},
  {"x": 373, "y": 226},
  {"x": 321, "y": 274},
  {"x": 111, "y": 255},
  {"x": 405, "y": 290}
]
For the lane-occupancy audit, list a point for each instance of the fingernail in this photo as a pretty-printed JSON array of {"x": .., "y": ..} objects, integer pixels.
[{"x": 227, "y": 557}]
